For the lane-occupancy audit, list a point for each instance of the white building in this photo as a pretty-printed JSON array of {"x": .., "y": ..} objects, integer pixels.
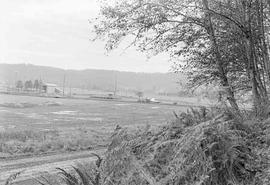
[{"x": 49, "y": 88}]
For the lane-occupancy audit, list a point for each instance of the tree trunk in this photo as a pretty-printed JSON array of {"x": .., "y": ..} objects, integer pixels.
[
  {"x": 266, "y": 57},
  {"x": 223, "y": 77},
  {"x": 258, "y": 91}
]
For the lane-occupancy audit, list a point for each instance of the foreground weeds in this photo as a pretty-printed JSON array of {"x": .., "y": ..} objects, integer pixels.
[
  {"x": 82, "y": 174},
  {"x": 214, "y": 151},
  {"x": 12, "y": 178},
  {"x": 200, "y": 147}
]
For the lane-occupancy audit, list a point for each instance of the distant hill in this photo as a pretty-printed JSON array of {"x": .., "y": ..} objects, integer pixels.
[{"x": 92, "y": 78}]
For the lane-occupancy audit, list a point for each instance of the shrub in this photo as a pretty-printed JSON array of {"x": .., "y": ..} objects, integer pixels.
[
  {"x": 196, "y": 148},
  {"x": 77, "y": 175}
]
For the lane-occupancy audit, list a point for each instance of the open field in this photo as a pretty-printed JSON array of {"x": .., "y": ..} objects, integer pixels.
[
  {"x": 35, "y": 125},
  {"x": 45, "y": 127}
]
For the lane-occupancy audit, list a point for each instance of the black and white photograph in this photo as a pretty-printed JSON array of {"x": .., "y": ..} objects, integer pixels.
[{"x": 134, "y": 92}]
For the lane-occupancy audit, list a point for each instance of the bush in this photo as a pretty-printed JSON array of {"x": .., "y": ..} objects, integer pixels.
[
  {"x": 199, "y": 147},
  {"x": 78, "y": 175}
]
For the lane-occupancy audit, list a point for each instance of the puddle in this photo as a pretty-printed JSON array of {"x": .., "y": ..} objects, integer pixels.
[
  {"x": 93, "y": 114},
  {"x": 35, "y": 116},
  {"x": 122, "y": 104},
  {"x": 155, "y": 107},
  {"x": 42, "y": 123},
  {"x": 67, "y": 112},
  {"x": 90, "y": 119}
]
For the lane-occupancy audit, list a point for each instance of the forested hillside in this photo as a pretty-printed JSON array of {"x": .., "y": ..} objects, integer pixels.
[{"x": 92, "y": 79}]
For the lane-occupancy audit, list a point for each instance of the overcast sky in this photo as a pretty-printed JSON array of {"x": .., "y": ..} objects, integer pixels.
[{"x": 57, "y": 33}]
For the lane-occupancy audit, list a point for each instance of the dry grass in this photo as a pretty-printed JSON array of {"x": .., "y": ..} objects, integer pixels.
[{"x": 30, "y": 142}]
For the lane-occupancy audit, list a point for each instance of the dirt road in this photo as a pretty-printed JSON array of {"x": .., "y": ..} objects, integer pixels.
[{"x": 31, "y": 167}]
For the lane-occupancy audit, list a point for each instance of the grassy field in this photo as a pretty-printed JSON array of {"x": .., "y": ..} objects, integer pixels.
[{"x": 35, "y": 125}]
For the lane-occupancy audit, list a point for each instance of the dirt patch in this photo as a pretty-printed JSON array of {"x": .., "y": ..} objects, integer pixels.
[{"x": 35, "y": 116}]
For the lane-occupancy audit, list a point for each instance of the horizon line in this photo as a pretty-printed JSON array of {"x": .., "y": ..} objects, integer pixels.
[{"x": 98, "y": 69}]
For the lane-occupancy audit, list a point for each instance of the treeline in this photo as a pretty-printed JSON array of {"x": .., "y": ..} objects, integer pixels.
[{"x": 28, "y": 85}]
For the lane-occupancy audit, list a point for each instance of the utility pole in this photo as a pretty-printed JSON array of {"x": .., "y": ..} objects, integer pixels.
[
  {"x": 64, "y": 81},
  {"x": 16, "y": 78},
  {"x": 115, "y": 83},
  {"x": 70, "y": 90},
  {"x": 40, "y": 84}
]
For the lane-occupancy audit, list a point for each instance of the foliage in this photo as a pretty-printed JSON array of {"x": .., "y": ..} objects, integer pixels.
[
  {"x": 37, "y": 84},
  {"x": 219, "y": 41},
  {"x": 28, "y": 84},
  {"x": 19, "y": 84},
  {"x": 219, "y": 151},
  {"x": 193, "y": 116},
  {"x": 139, "y": 94},
  {"x": 78, "y": 175}
]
